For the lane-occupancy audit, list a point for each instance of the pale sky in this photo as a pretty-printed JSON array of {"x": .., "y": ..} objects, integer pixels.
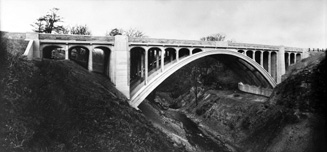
[{"x": 298, "y": 23}]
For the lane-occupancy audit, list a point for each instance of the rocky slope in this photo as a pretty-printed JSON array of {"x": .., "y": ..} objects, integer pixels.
[{"x": 291, "y": 120}]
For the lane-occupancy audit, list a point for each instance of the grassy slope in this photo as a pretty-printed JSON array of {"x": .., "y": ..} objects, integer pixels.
[{"x": 60, "y": 106}]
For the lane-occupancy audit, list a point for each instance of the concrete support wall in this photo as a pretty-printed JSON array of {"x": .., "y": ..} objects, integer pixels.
[
  {"x": 36, "y": 44},
  {"x": 122, "y": 64},
  {"x": 280, "y": 64},
  {"x": 254, "y": 89},
  {"x": 305, "y": 53},
  {"x": 29, "y": 50}
]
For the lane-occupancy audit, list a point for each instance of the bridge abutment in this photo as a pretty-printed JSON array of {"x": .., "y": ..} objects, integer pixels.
[{"x": 36, "y": 44}]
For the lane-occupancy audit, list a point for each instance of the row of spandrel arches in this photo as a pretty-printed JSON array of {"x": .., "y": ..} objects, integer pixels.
[
  {"x": 149, "y": 60},
  {"x": 268, "y": 59},
  {"x": 81, "y": 55}
]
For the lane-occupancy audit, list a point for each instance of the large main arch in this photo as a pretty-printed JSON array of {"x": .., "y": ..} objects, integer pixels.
[{"x": 145, "y": 90}]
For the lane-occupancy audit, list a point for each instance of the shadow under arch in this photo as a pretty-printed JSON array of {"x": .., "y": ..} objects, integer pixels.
[
  {"x": 144, "y": 91},
  {"x": 80, "y": 55},
  {"x": 53, "y": 52},
  {"x": 101, "y": 56},
  {"x": 137, "y": 65}
]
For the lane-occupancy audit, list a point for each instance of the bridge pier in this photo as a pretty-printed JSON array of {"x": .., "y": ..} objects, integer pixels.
[
  {"x": 146, "y": 66},
  {"x": 121, "y": 79},
  {"x": 90, "y": 62},
  {"x": 280, "y": 64},
  {"x": 66, "y": 52}
]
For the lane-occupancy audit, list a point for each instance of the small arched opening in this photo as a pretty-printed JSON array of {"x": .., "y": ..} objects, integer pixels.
[
  {"x": 101, "y": 56},
  {"x": 183, "y": 52},
  {"x": 266, "y": 60},
  {"x": 154, "y": 59},
  {"x": 137, "y": 65},
  {"x": 249, "y": 54},
  {"x": 80, "y": 55},
  {"x": 257, "y": 56},
  {"x": 170, "y": 55},
  {"x": 54, "y": 52},
  {"x": 194, "y": 51},
  {"x": 292, "y": 58},
  {"x": 240, "y": 51}
]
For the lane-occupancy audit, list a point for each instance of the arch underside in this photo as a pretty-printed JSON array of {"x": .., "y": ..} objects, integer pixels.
[{"x": 243, "y": 61}]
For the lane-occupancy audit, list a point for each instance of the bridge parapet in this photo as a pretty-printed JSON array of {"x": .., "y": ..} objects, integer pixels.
[
  {"x": 75, "y": 37},
  {"x": 254, "y": 46},
  {"x": 295, "y": 49},
  {"x": 175, "y": 42}
]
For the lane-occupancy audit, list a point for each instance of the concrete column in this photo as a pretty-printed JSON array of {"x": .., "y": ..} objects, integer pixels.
[
  {"x": 157, "y": 59},
  {"x": 66, "y": 52},
  {"x": 146, "y": 66},
  {"x": 269, "y": 62},
  {"x": 289, "y": 59},
  {"x": 280, "y": 64},
  {"x": 122, "y": 65},
  {"x": 162, "y": 58},
  {"x": 177, "y": 54},
  {"x": 190, "y": 52},
  {"x": 142, "y": 65},
  {"x": 261, "y": 58},
  {"x": 245, "y": 52},
  {"x": 253, "y": 55},
  {"x": 90, "y": 63},
  {"x": 294, "y": 58}
]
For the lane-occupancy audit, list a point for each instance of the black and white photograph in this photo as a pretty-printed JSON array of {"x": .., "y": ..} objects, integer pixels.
[{"x": 163, "y": 75}]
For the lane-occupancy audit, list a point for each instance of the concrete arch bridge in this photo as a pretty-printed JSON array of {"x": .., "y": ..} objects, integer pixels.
[{"x": 138, "y": 65}]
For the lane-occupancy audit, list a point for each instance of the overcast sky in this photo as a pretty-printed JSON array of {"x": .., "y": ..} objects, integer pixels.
[{"x": 298, "y": 23}]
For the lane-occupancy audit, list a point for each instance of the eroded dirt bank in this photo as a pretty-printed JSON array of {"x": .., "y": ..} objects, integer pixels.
[{"x": 291, "y": 120}]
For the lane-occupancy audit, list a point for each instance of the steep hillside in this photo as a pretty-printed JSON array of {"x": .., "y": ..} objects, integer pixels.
[{"x": 59, "y": 106}]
